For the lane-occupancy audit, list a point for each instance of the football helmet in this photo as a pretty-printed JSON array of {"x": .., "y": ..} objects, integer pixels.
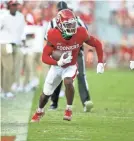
[{"x": 66, "y": 22}]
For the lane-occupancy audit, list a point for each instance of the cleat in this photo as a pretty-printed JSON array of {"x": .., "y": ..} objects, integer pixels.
[
  {"x": 88, "y": 106},
  {"x": 53, "y": 107},
  {"x": 67, "y": 115},
  {"x": 37, "y": 116}
]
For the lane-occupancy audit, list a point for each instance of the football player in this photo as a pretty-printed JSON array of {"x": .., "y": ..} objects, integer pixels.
[
  {"x": 67, "y": 37},
  {"x": 82, "y": 82}
]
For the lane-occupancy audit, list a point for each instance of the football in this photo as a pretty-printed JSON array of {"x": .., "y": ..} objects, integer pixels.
[{"x": 56, "y": 54}]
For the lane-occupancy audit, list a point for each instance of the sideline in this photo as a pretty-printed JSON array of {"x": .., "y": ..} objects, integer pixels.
[{"x": 15, "y": 115}]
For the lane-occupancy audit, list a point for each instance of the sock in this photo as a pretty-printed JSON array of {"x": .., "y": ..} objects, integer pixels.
[
  {"x": 69, "y": 107},
  {"x": 39, "y": 110}
]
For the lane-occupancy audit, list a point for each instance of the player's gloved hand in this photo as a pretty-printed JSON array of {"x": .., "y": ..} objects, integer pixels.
[
  {"x": 63, "y": 61},
  {"x": 100, "y": 68},
  {"x": 131, "y": 65}
]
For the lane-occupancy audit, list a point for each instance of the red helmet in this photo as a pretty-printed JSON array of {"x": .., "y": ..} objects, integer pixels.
[{"x": 66, "y": 22}]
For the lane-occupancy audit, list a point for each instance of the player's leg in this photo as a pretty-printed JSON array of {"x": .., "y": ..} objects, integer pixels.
[
  {"x": 69, "y": 90},
  {"x": 82, "y": 84},
  {"x": 53, "y": 79},
  {"x": 7, "y": 64},
  {"x": 36, "y": 63},
  {"x": 18, "y": 61},
  {"x": 28, "y": 70},
  {"x": 55, "y": 97},
  {"x": 68, "y": 77}
]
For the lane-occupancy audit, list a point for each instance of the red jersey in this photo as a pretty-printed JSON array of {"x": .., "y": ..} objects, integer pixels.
[{"x": 72, "y": 45}]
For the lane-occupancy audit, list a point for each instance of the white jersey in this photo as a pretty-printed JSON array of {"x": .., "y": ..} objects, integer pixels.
[
  {"x": 11, "y": 28},
  {"x": 39, "y": 38},
  {"x": 36, "y": 43}
]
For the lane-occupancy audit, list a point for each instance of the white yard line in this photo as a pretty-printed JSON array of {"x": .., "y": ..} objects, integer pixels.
[{"x": 15, "y": 115}]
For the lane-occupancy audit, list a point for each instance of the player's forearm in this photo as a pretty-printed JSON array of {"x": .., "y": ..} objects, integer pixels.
[
  {"x": 47, "y": 51},
  {"x": 94, "y": 42},
  {"x": 48, "y": 60}
]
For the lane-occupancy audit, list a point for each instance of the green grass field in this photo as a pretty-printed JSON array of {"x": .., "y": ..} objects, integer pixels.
[{"x": 112, "y": 118}]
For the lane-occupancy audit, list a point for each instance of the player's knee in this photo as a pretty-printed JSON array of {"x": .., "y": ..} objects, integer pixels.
[
  {"x": 48, "y": 89},
  {"x": 43, "y": 96},
  {"x": 47, "y": 92},
  {"x": 68, "y": 82}
]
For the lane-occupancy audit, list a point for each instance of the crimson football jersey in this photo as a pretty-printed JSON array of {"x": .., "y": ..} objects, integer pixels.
[{"x": 72, "y": 45}]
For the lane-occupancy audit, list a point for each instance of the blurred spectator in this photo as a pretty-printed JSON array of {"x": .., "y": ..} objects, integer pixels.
[
  {"x": 86, "y": 11},
  {"x": 12, "y": 28}
]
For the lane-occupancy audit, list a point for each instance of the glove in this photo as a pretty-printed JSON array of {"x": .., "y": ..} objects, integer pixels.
[
  {"x": 131, "y": 65},
  {"x": 65, "y": 61},
  {"x": 100, "y": 68}
]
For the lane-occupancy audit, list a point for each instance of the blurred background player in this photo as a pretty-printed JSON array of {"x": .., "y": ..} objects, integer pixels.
[
  {"x": 32, "y": 66},
  {"x": 12, "y": 25},
  {"x": 34, "y": 31},
  {"x": 71, "y": 37},
  {"x": 82, "y": 82}
]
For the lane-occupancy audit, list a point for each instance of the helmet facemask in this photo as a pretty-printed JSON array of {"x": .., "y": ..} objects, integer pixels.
[
  {"x": 69, "y": 27},
  {"x": 66, "y": 22}
]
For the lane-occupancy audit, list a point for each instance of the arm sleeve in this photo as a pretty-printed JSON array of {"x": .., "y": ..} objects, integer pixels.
[
  {"x": 50, "y": 37},
  {"x": 94, "y": 42},
  {"x": 47, "y": 51}
]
